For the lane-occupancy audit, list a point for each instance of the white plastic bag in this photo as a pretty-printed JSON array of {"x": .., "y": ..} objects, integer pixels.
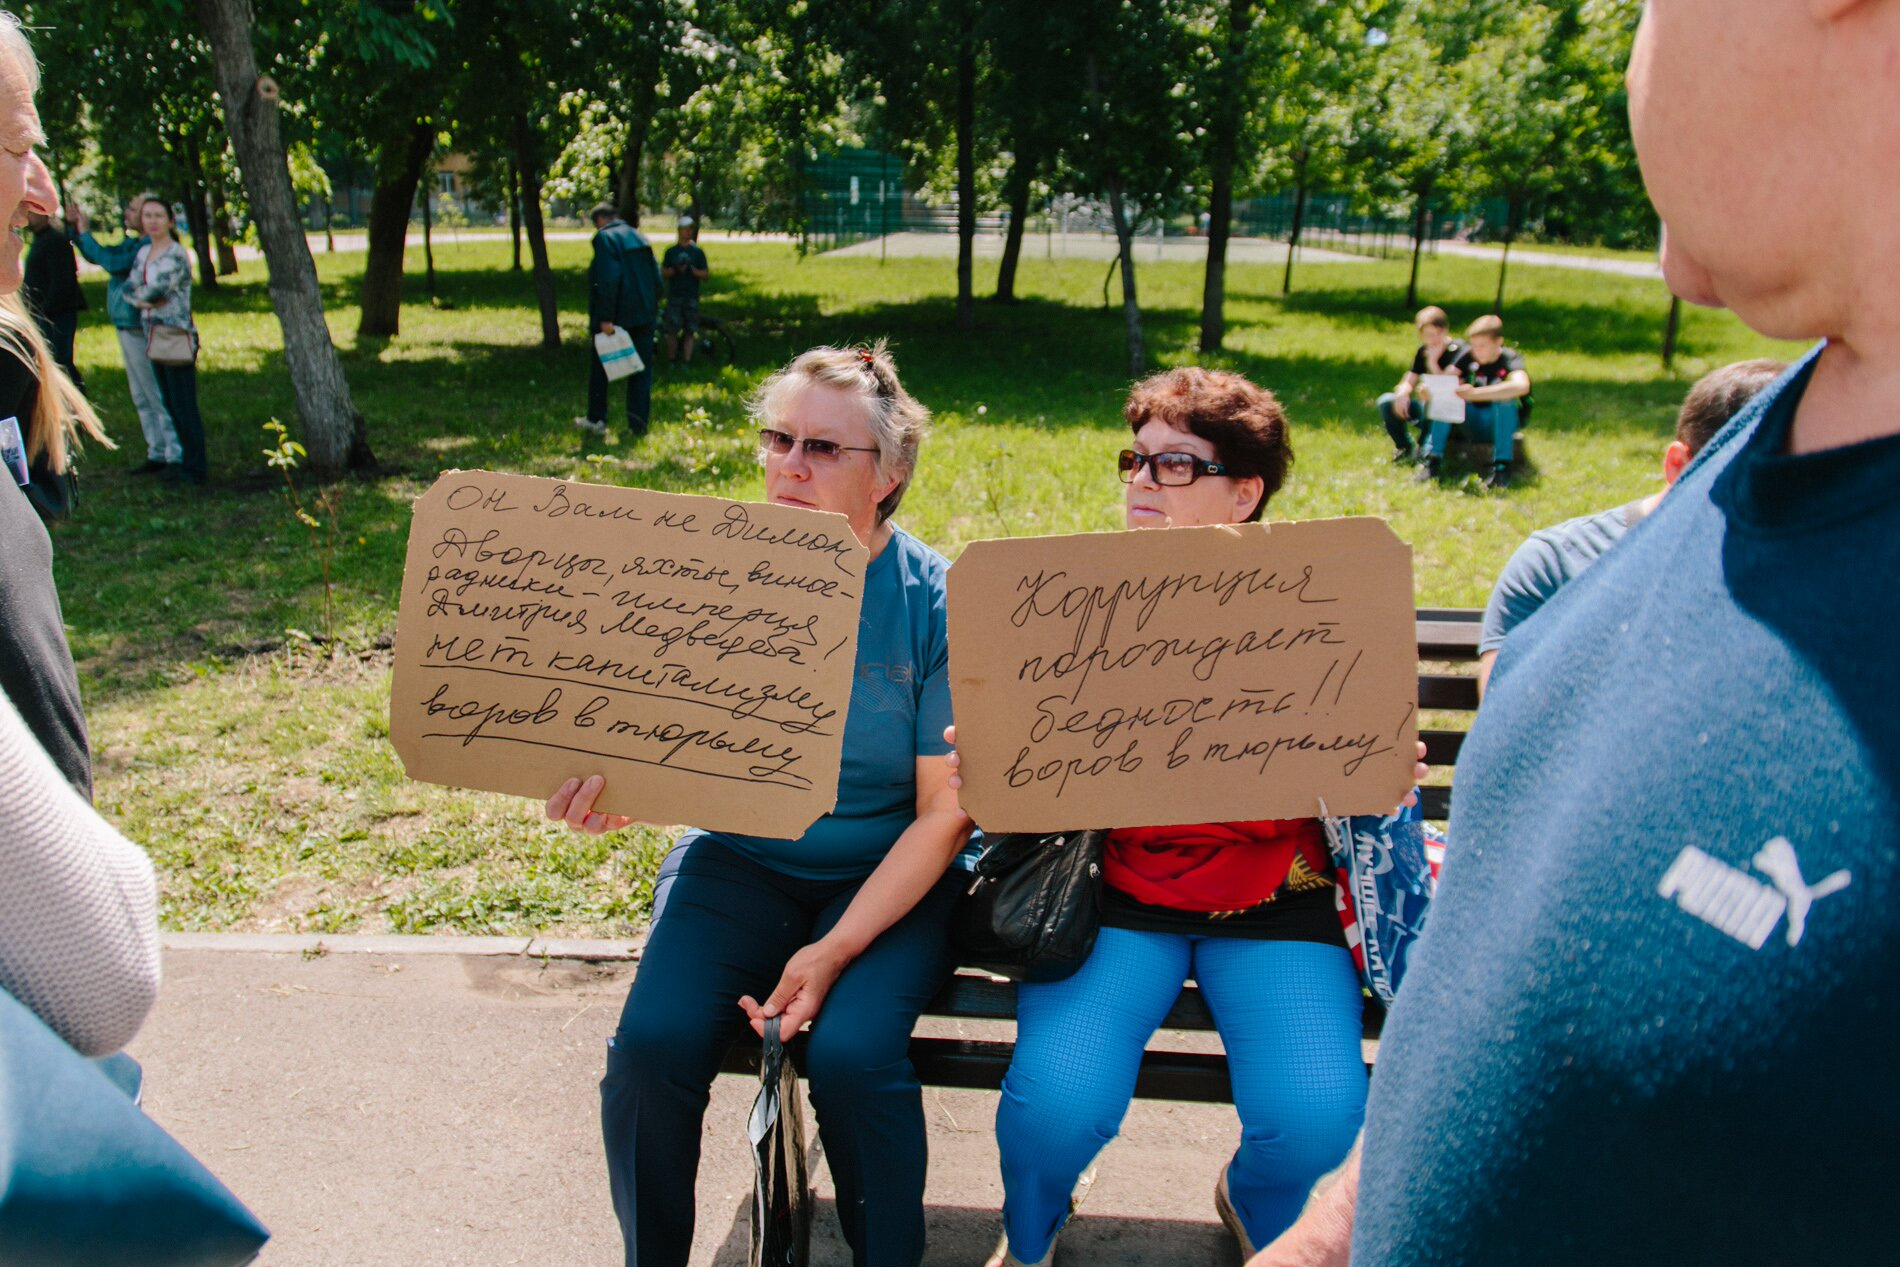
[{"x": 617, "y": 354}]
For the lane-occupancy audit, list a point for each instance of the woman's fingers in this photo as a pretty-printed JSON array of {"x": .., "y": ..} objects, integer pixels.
[
  {"x": 583, "y": 803},
  {"x": 563, "y": 795}
]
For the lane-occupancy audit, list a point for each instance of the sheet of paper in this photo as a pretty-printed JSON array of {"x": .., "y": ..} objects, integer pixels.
[
  {"x": 1443, "y": 403},
  {"x": 697, "y": 652},
  {"x": 1184, "y": 675}
]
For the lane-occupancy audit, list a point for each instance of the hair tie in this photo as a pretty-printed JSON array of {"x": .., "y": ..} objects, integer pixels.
[{"x": 868, "y": 357}]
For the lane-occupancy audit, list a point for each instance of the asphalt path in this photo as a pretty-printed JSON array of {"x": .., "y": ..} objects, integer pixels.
[{"x": 424, "y": 1107}]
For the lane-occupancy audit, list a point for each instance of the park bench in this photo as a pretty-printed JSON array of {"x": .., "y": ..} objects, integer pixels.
[{"x": 1447, "y": 640}]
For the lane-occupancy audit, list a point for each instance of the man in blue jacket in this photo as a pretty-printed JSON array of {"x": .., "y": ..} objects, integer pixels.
[
  {"x": 623, "y": 292},
  {"x": 1648, "y": 1021},
  {"x": 161, "y": 440}
]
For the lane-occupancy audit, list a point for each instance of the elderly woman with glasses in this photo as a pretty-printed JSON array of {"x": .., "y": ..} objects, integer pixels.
[
  {"x": 1247, "y": 910},
  {"x": 846, "y": 926}
]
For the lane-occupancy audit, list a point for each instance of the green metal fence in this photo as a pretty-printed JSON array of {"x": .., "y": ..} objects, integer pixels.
[{"x": 859, "y": 195}]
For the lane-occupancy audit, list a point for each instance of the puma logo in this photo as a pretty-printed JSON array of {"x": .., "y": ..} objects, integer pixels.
[
  {"x": 1735, "y": 902},
  {"x": 1777, "y": 861}
]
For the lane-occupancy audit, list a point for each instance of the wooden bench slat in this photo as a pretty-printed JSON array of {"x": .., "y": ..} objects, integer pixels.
[
  {"x": 1436, "y": 803},
  {"x": 1447, "y": 640},
  {"x": 1448, "y": 691},
  {"x": 1442, "y": 746}
]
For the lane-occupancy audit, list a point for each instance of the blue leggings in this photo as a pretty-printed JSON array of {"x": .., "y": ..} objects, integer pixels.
[{"x": 1289, "y": 1015}]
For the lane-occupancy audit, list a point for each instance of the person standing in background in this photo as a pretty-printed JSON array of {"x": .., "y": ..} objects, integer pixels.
[
  {"x": 52, "y": 291},
  {"x": 684, "y": 268},
  {"x": 53, "y": 297},
  {"x": 161, "y": 438},
  {"x": 160, "y": 288},
  {"x": 623, "y": 289}
]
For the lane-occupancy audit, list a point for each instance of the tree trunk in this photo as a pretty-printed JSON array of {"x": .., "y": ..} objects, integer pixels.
[
  {"x": 645, "y": 78},
  {"x": 1299, "y": 223},
  {"x": 1670, "y": 331},
  {"x": 428, "y": 235},
  {"x": 196, "y": 217},
  {"x": 334, "y": 432},
  {"x": 221, "y": 228},
  {"x": 1131, "y": 310},
  {"x": 966, "y": 172},
  {"x": 329, "y": 233},
  {"x": 514, "y": 214},
  {"x": 1226, "y": 150},
  {"x": 1418, "y": 246},
  {"x": 525, "y": 163},
  {"x": 1019, "y": 178},
  {"x": 389, "y": 231},
  {"x": 1513, "y": 217}
]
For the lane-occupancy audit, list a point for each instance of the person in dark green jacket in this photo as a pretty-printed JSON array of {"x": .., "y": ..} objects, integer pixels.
[
  {"x": 623, "y": 291},
  {"x": 161, "y": 437}
]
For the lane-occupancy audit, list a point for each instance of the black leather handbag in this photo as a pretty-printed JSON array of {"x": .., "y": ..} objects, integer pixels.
[{"x": 1033, "y": 906}]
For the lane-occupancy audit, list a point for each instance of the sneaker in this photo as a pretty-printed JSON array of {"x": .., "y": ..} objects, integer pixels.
[
  {"x": 1224, "y": 1206},
  {"x": 589, "y": 424},
  {"x": 1405, "y": 456},
  {"x": 1427, "y": 469},
  {"x": 150, "y": 466},
  {"x": 1001, "y": 1257},
  {"x": 1500, "y": 477}
]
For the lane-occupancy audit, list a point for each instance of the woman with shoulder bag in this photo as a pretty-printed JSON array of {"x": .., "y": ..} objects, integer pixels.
[
  {"x": 160, "y": 287},
  {"x": 1247, "y": 910}
]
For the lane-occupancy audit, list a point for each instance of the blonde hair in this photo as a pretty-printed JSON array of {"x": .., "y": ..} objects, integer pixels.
[
  {"x": 1490, "y": 324},
  {"x": 1432, "y": 315},
  {"x": 898, "y": 422},
  {"x": 60, "y": 412}
]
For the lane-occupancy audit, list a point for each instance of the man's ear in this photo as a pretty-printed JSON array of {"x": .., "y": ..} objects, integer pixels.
[{"x": 1675, "y": 461}]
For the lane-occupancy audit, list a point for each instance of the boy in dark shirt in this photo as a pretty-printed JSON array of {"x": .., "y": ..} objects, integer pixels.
[
  {"x": 684, "y": 268},
  {"x": 1438, "y": 353},
  {"x": 1497, "y": 396}
]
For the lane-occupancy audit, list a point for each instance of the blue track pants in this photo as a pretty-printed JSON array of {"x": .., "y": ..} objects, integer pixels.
[{"x": 1289, "y": 1015}]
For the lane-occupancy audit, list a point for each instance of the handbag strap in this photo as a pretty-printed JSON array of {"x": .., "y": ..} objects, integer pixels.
[{"x": 774, "y": 1051}]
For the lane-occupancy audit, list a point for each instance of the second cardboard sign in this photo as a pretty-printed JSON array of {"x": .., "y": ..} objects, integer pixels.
[{"x": 1184, "y": 676}]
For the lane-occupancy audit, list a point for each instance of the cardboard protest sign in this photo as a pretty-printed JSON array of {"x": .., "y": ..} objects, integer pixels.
[
  {"x": 1184, "y": 675},
  {"x": 697, "y": 652}
]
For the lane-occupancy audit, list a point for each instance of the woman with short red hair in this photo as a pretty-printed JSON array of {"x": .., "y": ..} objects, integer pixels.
[{"x": 1245, "y": 909}]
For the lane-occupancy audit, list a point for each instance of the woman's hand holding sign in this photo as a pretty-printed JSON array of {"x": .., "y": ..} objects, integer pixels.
[{"x": 573, "y": 803}]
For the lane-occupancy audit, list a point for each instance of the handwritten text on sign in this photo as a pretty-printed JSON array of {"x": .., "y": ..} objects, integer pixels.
[
  {"x": 697, "y": 652},
  {"x": 1185, "y": 675}
]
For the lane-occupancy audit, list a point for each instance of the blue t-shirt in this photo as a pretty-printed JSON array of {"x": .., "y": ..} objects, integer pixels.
[
  {"x": 1649, "y": 1021},
  {"x": 1548, "y": 558},
  {"x": 900, "y": 704}
]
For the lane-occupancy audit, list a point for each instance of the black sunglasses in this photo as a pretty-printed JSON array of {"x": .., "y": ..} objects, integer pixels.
[
  {"x": 1169, "y": 468},
  {"x": 780, "y": 442}
]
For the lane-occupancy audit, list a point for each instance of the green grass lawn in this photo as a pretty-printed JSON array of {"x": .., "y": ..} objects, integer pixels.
[{"x": 258, "y": 770}]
